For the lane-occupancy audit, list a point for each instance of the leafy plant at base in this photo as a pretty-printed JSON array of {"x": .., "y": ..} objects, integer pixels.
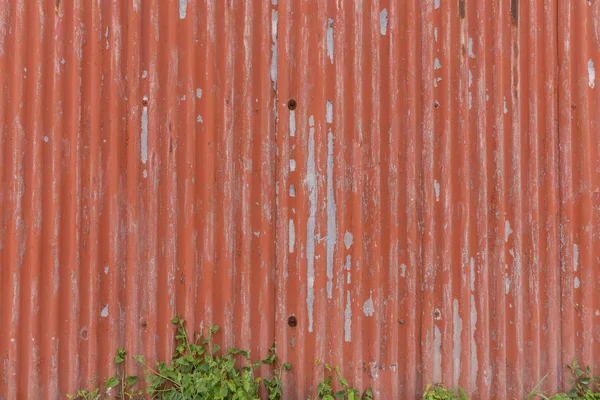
[
  {"x": 325, "y": 387},
  {"x": 274, "y": 386},
  {"x": 86, "y": 394},
  {"x": 441, "y": 392},
  {"x": 200, "y": 370},
  {"x": 121, "y": 380}
]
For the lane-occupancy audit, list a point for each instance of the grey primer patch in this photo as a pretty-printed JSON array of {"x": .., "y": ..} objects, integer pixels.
[
  {"x": 292, "y": 123},
  {"x": 348, "y": 318},
  {"x": 575, "y": 257},
  {"x": 292, "y": 190},
  {"x": 311, "y": 186},
  {"x": 330, "y": 39},
  {"x": 348, "y": 240},
  {"x": 182, "y": 9},
  {"x": 199, "y": 118},
  {"x": 383, "y": 21},
  {"x": 292, "y": 236},
  {"x": 576, "y": 283},
  {"x": 437, "y": 355},
  {"x": 331, "y": 213},
  {"x": 104, "y": 312},
  {"x": 436, "y": 187},
  {"x": 474, "y": 361},
  {"x": 329, "y": 112},
  {"x": 292, "y": 165},
  {"x": 144, "y": 74},
  {"x": 591, "y": 74},
  {"x": 471, "y": 54},
  {"x": 436, "y": 64},
  {"x": 369, "y": 307},
  {"x": 199, "y": 93},
  {"x": 144, "y": 139},
  {"x": 436, "y": 4},
  {"x": 274, "y": 48},
  {"x": 507, "y": 230},
  {"x": 457, "y": 322}
]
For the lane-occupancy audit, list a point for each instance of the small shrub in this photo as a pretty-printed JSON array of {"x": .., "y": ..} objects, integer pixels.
[
  {"x": 441, "y": 392},
  {"x": 325, "y": 387}
]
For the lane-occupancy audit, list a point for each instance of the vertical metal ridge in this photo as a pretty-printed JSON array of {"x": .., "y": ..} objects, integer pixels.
[{"x": 135, "y": 109}]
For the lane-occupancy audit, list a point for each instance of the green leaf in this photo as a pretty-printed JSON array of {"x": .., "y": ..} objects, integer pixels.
[
  {"x": 214, "y": 329},
  {"x": 339, "y": 394},
  {"x": 269, "y": 360},
  {"x": 112, "y": 382},
  {"x": 132, "y": 380},
  {"x": 287, "y": 366}
]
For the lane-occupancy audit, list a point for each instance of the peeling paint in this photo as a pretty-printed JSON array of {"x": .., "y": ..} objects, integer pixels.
[
  {"x": 331, "y": 216},
  {"x": 437, "y": 355},
  {"x": 292, "y": 123},
  {"x": 106, "y": 270},
  {"x": 471, "y": 53},
  {"x": 470, "y": 79},
  {"x": 292, "y": 165},
  {"x": 144, "y": 138},
  {"x": 575, "y": 257},
  {"x": 472, "y": 274},
  {"x": 273, "y": 69},
  {"x": 348, "y": 240},
  {"x": 329, "y": 112},
  {"x": 199, "y": 119},
  {"x": 369, "y": 307},
  {"x": 435, "y": 34},
  {"x": 104, "y": 312},
  {"x": 292, "y": 233},
  {"x": 506, "y": 284},
  {"x": 591, "y": 74},
  {"x": 576, "y": 283},
  {"x": 469, "y": 100},
  {"x": 474, "y": 360},
  {"x": 436, "y": 188},
  {"x": 46, "y": 139},
  {"x": 330, "y": 39},
  {"x": 436, "y": 4},
  {"x": 403, "y": 270},
  {"x": 505, "y": 107},
  {"x": 507, "y": 230},
  {"x": 182, "y": 9},
  {"x": 383, "y": 21},
  {"x": 437, "y": 64},
  {"x": 348, "y": 318},
  {"x": 311, "y": 188},
  {"x": 457, "y": 330},
  {"x": 144, "y": 74},
  {"x": 292, "y": 190},
  {"x": 199, "y": 93}
]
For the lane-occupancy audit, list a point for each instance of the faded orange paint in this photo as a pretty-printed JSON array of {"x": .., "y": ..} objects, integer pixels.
[{"x": 416, "y": 182}]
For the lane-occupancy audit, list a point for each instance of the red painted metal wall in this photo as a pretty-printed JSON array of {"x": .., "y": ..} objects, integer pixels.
[{"x": 417, "y": 182}]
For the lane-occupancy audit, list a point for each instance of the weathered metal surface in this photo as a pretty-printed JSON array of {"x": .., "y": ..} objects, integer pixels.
[{"x": 426, "y": 207}]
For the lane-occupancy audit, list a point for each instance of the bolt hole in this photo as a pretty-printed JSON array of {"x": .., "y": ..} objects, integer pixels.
[
  {"x": 292, "y": 321},
  {"x": 292, "y": 104},
  {"x": 436, "y": 104}
]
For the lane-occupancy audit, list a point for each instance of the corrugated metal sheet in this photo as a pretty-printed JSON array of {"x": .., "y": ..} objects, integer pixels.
[{"x": 416, "y": 182}]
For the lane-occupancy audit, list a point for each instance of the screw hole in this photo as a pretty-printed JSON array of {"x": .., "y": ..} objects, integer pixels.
[
  {"x": 292, "y": 321},
  {"x": 436, "y": 104},
  {"x": 292, "y": 104}
]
